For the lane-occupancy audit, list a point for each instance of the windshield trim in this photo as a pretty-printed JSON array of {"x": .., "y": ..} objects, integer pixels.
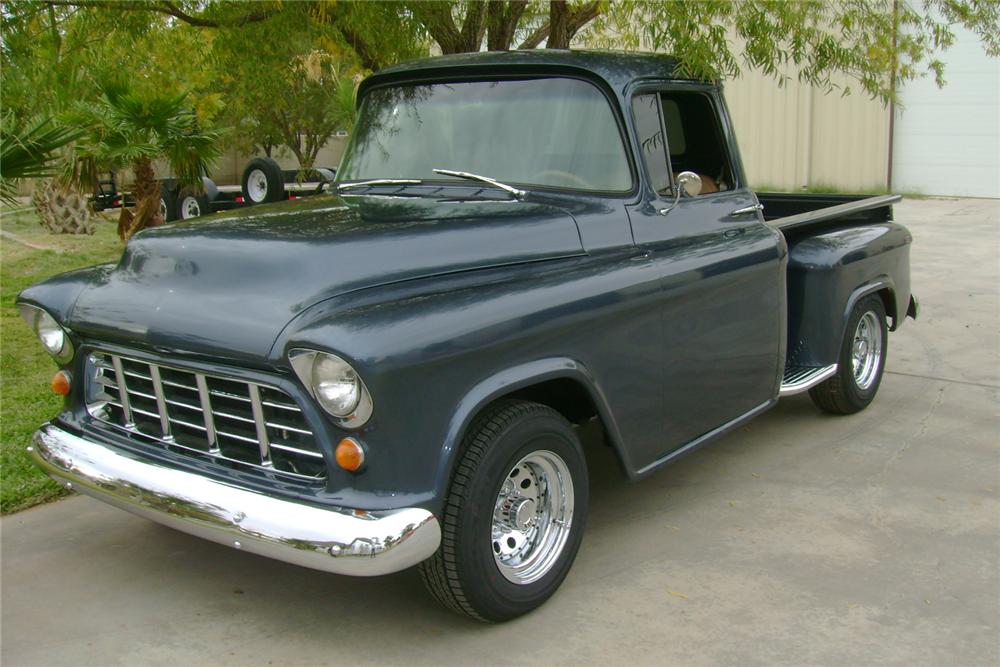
[{"x": 549, "y": 73}]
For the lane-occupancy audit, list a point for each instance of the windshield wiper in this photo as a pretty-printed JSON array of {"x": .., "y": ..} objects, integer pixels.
[
  {"x": 378, "y": 181},
  {"x": 514, "y": 192}
]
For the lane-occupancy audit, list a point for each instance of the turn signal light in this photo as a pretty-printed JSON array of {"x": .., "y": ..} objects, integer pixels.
[
  {"x": 61, "y": 382},
  {"x": 350, "y": 455}
]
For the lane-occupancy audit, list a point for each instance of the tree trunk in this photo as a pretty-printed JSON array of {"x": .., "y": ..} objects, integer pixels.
[
  {"x": 61, "y": 211},
  {"x": 558, "y": 25},
  {"x": 147, "y": 202},
  {"x": 501, "y": 22}
]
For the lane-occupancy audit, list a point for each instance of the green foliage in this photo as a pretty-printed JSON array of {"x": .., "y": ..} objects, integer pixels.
[
  {"x": 126, "y": 126},
  {"x": 29, "y": 153},
  {"x": 285, "y": 82},
  {"x": 879, "y": 44},
  {"x": 25, "y": 399}
]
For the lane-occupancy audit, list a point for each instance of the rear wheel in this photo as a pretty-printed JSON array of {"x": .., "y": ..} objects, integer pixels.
[
  {"x": 514, "y": 515},
  {"x": 861, "y": 361}
]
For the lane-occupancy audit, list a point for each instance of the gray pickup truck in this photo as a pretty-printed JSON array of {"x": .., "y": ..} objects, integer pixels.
[{"x": 391, "y": 374}]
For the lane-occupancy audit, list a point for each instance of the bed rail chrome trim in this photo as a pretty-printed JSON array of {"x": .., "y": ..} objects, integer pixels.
[{"x": 331, "y": 539}]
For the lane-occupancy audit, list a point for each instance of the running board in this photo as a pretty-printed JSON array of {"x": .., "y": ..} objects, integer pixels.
[{"x": 798, "y": 379}]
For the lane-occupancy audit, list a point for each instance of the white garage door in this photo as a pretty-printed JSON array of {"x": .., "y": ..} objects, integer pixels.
[{"x": 947, "y": 141}]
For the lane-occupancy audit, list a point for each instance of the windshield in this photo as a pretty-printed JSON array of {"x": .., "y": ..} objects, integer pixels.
[{"x": 557, "y": 133}]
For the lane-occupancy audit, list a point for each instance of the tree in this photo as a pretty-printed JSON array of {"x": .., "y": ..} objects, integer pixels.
[
  {"x": 879, "y": 44},
  {"x": 53, "y": 59},
  {"x": 32, "y": 152},
  {"x": 287, "y": 82},
  {"x": 128, "y": 128}
]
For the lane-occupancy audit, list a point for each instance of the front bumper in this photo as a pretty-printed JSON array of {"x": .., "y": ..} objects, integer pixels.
[{"x": 338, "y": 540}]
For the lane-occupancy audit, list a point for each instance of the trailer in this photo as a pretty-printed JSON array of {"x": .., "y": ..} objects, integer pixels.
[{"x": 263, "y": 181}]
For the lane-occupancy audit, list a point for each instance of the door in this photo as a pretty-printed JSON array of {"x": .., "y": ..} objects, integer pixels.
[{"x": 722, "y": 269}]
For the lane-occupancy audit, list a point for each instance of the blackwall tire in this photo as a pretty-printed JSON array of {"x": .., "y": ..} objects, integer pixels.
[
  {"x": 514, "y": 515},
  {"x": 262, "y": 182},
  {"x": 168, "y": 203},
  {"x": 861, "y": 361}
]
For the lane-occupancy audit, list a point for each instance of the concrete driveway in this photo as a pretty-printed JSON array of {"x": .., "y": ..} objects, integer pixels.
[{"x": 801, "y": 539}]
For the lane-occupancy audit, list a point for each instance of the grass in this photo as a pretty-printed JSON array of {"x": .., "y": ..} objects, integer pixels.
[{"x": 25, "y": 368}]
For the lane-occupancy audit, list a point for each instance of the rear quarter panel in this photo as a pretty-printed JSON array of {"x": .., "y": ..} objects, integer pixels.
[{"x": 829, "y": 271}]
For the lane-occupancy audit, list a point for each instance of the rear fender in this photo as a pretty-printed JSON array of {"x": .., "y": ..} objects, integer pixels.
[{"x": 830, "y": 272}]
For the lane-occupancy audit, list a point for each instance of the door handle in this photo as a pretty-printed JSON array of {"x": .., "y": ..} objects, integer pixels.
[{"x": 747, "y": 209}]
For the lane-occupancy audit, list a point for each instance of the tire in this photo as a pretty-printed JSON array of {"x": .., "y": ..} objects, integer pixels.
[
  {"x": 858, "y": 378},
  {"x": 168, "y": 203},
  {"x": 262, "y": 182},
  {"x": 191, "y": 204},
  {"x": 524, "y": 462}
]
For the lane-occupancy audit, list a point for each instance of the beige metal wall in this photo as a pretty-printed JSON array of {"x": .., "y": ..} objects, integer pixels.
[{"x": 796, "y": 136}]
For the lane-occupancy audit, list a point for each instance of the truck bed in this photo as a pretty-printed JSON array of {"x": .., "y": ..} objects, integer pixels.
[{"x": 796, "y": 212}]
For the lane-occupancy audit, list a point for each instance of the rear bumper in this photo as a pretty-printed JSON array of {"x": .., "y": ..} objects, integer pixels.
[{"x": 338, "y": 540}]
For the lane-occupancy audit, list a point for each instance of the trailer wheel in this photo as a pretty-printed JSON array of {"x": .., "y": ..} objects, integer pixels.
[
  {"x": 263, "y": 181},
  {"x": 191, "y": 204},
  {"x": 862, "y": 359},
  {"x": 168, "y": 203}
]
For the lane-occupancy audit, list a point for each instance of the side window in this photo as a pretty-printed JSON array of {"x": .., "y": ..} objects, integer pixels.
[
  {"x": 695, "y": 139},
  {"x": 649, "y": 132}
]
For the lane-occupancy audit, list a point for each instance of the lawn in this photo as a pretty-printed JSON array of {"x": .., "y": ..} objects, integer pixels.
[{"x": 25, "y": 369}]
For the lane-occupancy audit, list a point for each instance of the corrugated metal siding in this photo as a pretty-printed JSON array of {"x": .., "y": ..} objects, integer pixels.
[{"x": 794, "y": 136}]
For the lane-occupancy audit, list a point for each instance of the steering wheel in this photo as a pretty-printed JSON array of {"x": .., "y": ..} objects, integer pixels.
[{"x": 565, "y": 175}]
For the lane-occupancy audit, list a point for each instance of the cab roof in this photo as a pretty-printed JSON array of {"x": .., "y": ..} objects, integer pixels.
[{"x": 615, "y": 69}]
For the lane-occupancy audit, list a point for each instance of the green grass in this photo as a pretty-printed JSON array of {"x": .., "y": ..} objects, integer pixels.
[{"x": 25, "y": 368}]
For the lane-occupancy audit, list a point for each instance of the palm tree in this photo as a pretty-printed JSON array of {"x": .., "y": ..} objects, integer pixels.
[
  {"x": 128, "y": 129},
  {"x": 30, "y": 153}
]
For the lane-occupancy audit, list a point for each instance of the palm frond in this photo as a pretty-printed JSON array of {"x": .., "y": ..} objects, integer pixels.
[{"x": 31, "y": 153}]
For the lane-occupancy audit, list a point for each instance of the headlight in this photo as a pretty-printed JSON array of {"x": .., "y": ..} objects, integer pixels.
[
  {"x": 54, "y": 338},
  {"x": 334, "y": 384}
]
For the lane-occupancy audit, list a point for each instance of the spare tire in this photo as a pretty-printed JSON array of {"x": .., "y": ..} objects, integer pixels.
[{"x": 263, "y": 181}]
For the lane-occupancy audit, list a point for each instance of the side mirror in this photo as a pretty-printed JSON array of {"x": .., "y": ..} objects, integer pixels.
[{"x": 689, "y": 183}]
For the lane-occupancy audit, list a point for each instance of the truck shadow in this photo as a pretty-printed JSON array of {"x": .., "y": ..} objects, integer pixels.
[{"x": 265, "y": 593}]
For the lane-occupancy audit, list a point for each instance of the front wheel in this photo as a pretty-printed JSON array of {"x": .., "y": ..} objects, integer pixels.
[
  {"x": 514, "y": 516},
  {"x": 861, "y": 361}
]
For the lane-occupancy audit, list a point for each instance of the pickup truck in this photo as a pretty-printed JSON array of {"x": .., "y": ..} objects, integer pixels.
[{"x": 392, "y": 374}]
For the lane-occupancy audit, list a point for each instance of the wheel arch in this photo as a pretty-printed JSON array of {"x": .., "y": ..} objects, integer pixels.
[
  {"x": 882, "y": 286},
  {"x": 563, "y": 384}
]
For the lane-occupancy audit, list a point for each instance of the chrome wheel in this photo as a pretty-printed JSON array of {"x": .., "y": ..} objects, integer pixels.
[
  {"x": 257, "y": 186},
  {"x": 190, "y": 208},
  {"x": 866, "y": 350},
  {"x": 532, "y": 517}
]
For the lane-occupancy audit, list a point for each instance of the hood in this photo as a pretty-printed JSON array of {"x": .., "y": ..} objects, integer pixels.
[{"x": 227, "y": 286}]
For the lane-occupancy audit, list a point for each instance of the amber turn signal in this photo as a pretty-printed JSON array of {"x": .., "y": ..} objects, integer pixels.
[
  {"x": 61, "y": 382},
  {"x": 350, "y": 455}
]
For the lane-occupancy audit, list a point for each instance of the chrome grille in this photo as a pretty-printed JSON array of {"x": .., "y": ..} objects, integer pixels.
[{"x": 231, "y": 420}]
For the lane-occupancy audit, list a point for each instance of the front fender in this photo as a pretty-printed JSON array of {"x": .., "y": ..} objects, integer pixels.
[{"x": 509, "y": 381}]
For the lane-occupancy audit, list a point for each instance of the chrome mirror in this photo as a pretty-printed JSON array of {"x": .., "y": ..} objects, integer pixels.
[{"x": 689, "y": 183}]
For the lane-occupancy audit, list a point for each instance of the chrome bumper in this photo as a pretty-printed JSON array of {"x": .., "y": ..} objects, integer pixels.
[{"x": 338, "y": 540}]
